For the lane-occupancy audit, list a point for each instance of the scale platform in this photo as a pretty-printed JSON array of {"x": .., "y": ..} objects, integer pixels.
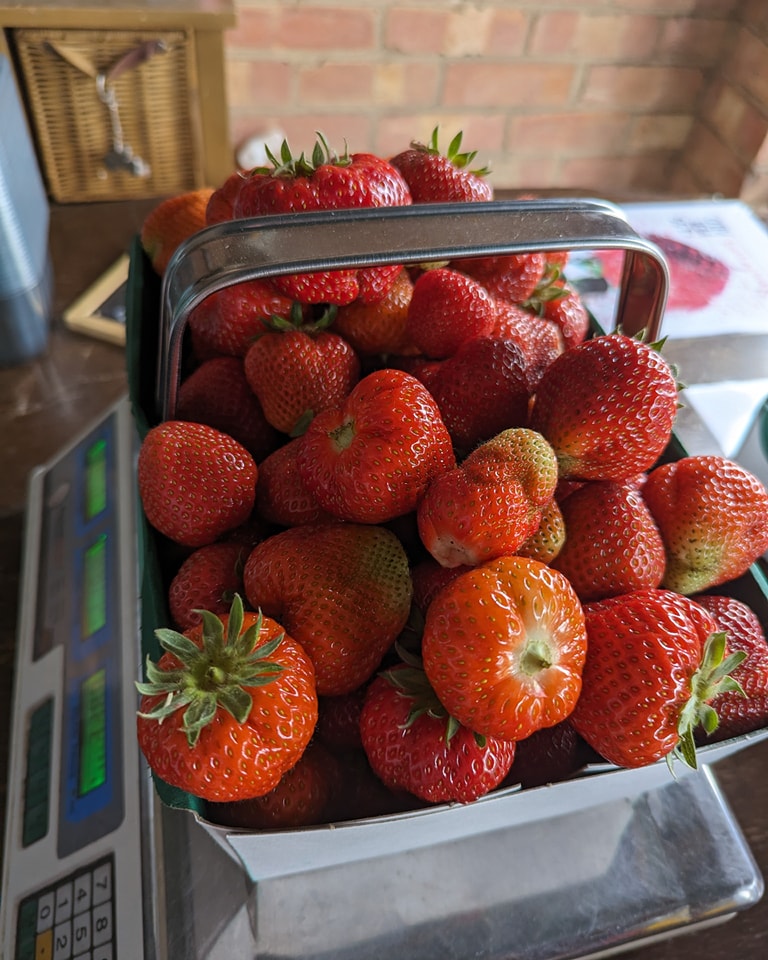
[{"x": 97, "y": 867}]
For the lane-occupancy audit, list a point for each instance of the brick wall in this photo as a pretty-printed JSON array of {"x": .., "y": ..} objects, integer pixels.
[{"x": 605, "y": 95}]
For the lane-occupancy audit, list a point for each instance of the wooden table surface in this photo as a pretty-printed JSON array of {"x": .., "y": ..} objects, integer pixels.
[{"x": 46, "y": 402}]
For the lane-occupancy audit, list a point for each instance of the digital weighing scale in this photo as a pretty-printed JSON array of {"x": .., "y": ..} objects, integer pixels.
[{"x": 97, "y": 867}]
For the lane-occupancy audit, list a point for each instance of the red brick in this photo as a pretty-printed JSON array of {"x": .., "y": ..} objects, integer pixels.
[
  {"x": 336, "y": 83},
  {"x": 255, "y": 29},
  {"x": 659, "y": 131},
  {"x": 692, "y": 41},
  {"x": 406, "y": 83},
  {"x": 507, "y": 33},
  {"x": 467, "y": 31},
  {"x": 602, "y": 37},
  {"x": 736, "y": 121},
  {"x": 747, "y": 65},
  {"x": 258, "y": 84},
  {"x": 512, "y": 173},
  {"x": 489, "y": 85},
  {"x": 719, "y": 8},
  {"x": 408, "y": 30},
  {"x": 712, "y": 163},
  {"x": 338, "y": 127},
  {"x": 614, "y": 177},
  {"x": 649, "y": 88},
  {"x": 574, "y": 131},
  {"x": 325, "y": 28},
  {"x": 485, "y": 134}
]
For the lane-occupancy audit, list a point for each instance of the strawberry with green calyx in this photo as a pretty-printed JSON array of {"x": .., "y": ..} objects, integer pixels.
[
  {"x": 738, "y": 714},
  {"x": 607, "y": 407},
  {"x": 511, "y": 277},
  {"x": 436, "y": 177},
  {"x": 298, "y": 369},
  {"x": 325, "y": 180},
  {"x": 504, "y": 647},
  {"x": 655, "y": 662},
  {"x": 230, "y": 706},
  {"x": 491, "y": 503},
  {"x": 413, "y": 744},
  {"x": 713, "y": 517},
  {"x": 556, "y": 300},
  {"x": 195, "y": 482},
  {"x": 343, "y": 590}
]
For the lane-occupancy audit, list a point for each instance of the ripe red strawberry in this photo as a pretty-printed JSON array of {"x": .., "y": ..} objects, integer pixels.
[
  {"x": 338, "y": 720},
  {"x": 217, "y": 393},
  {"x": 713, "y": 518},
  {"x": 229, "y": 707},
  {"x": 491, "y": 503},
  {"x": 302, "y": 797},
  {"x": 428, "y": 577},
  {"x": 513, "y": 277},
  {"x": 607, "y": 407},
  {"x": 299, "y": 370},
  {"x": 739, "y": 712},
  {"x": 539, "y": 339},
  {"x": 208, "y": 579},
  {"x": 412, "y": 744},
  {"x": 612, "y": 544},
  {"x": 447, "y": 308},
  {"x": 378, "y": 328},
  {"x": 343, "y": 590},
  {"x": 370, "y": 459},
  {"x": 504, "y": 646},
  {"x": 549, "y": 755},
  {"x": 195, "y": 482},
  {"x": 281, "y": 495},
  {"x": 556, "y": 300},
  {"x": 654, "y": 662},
  {"x": 434, "y": 177},
  {"x": 325, "y": 181},
  {"x": 172, "y": 221},
  {"x": 229, "y": 321},
  {"x": 480, "y": 391},
  {"x": 222, "y": 201}
]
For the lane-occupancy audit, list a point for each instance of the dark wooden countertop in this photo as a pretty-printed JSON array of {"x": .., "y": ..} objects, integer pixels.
[{"x": 45, "y": 403}]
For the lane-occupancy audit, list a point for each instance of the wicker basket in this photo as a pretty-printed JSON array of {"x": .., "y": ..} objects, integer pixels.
[{"x": 155, "y": 98}]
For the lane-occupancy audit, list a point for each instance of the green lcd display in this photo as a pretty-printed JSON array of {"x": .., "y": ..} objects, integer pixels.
[
  {"x": 96, "y": 479},
  {"x": 94, "y": 598},
  {"x": 93, "y": 733}
]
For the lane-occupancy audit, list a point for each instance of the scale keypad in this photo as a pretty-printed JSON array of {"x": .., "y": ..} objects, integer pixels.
[{"x": 73, "y": 919}]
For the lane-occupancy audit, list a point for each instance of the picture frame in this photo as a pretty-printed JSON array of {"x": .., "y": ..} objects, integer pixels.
[{"x": 100, "y": 311}]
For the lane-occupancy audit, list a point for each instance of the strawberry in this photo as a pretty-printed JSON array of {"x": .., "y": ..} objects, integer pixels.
[
  {"x": 736, "y": 713},
  {"x": 342, "y": 589},
  {"x": 513, "y": 277},
  {"x": 301, "y": 798},
  {"x": 229, "y": 321},
  {"x": 612, "y": 544},
  {"x": 713, "y": 518},
  {"x": 491, "y": 503},
  {"x": 504, "y": 646},
  {"x": 480, "y": 391},
  {"x": 549, "y": 755},
  {"x": 298, "y": 370},
  {"x": 221, "y": 203},
  {"x": 547, "y": 542},
  {"x": 195, "y": 482},
  {"x": 229, "y": 708},
  {"x": 338, "y": 720},
  {"x": 428, "y": 577},
  {"x": 208, "y": 579},
  {"x": 434, "y": 177},
  {"x": 172, "y": 221},
  {"x": 607, "y": 407},
  {"x": 412, "y": 744},
  {"x": 539, "y": 339},
  {"x": 325, "y": 181},
  {"x": 281, "y": 496},
  {"x": 370, "y": 459},
  {"x": 217, "y": 393},
  {"x": 654, "y": 662},
  {"x": 447, "y": 308},
  {"x": 378, "y": 328},
  {"x": 554, "y": 299}
]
